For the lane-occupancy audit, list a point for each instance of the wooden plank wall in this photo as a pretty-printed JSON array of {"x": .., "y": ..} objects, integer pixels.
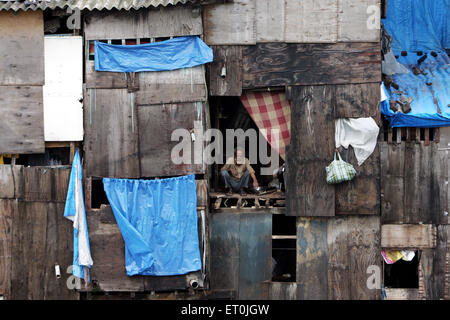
[
  {"x": 108, "y": 252},
  {"x": 413, "y": 183},
  {"x": 333, "y": 256},
  {"x": 245, "y": 22},
  {"x": 129, "y": 118},
  {"x": 34, "y": 235},
  {"x": 21, "y": 81}
]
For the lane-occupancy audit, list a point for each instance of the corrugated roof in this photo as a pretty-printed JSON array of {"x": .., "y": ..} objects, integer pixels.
[{"x": 85, "y": 4}]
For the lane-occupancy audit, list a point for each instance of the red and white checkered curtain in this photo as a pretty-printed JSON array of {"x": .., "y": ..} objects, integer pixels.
[{"x": 270, "y": 110}]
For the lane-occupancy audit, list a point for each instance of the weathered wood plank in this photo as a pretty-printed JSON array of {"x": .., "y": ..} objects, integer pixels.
[
  {"x": 230, "y": 23},
  {"x": 227, "y": 59},
  {"x": 312, "y": 259},
  {"x": 282, "y": 290},
  {"x": 202, "y": 192},
  {"x": 108, "y": 253},
  {"x": 270, "y": 18},
  {"x": 183, "y": 85},
  {"x": 22, "y": 124},
  {"x": 364, "y": 251},
  {"x": 281, "y": 64},
  {"x": 145, "y": 23},
  {"x": 358, "y": 21},
  {"x": 338, "y": 259},
  {"x": 255, "y": 255},
  {"x": 408, "y": 236},
  {"x": 46, "y": 184},
  {"x": 310, "y": 21},
  {"x": 11, "y": 182},
  {"x": 7, "y": 208},
  {"x": 156, "y": 125},
  {"x": 312, "y": 113},
  {"x": 111, "y": 134},
  {"x": 22, "y": 48},
  {"x": 402, "y": 294},
  {"x": 362, "y": 194},
  {"x": 358, "y": 101}
]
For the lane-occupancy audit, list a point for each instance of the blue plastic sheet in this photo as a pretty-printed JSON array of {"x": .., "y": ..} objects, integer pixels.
[
  {"x": 158, "y": 222},
  {"x": 176, "y": 53},
  {"x": 429, "y": 107},
  {"x": 75, "y": 211},
  {"x": 418, "y": 25}
]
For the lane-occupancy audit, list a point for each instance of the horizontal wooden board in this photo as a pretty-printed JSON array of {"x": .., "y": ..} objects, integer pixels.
[
  {"x": 144, "y": 23},
  {"x": 22, "y": 124},
  {"x": 230, "y": 23},
  {"x": 22, "y": 48},
  {"x": 402, "y": 294},
  {"x": 183, "y": 85},
  {"x": 281, "y": 64},
  {"x": 408, "y": 236}
]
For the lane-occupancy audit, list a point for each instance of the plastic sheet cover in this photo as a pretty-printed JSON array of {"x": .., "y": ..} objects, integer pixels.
[
  {"x": 430, "y": 105},
  {"x": 418, "y": 25},
  {"x": 158, "y": 222},
  {"x": 176, "y": 53}
]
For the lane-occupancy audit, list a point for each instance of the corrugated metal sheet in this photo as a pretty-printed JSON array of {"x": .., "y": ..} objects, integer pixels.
[{"x": 86, "y": 4}]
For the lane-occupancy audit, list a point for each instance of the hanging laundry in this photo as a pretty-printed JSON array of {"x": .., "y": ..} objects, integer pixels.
[
  {"x": 75, "y": 211},
  {"x": 360, "y": 133},
  {"x": 392, "y": 256},
  {"x": 158, "y": 222}
]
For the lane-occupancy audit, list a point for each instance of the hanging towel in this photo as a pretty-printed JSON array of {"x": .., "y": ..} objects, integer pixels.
[
  {"x": 360, "y": 133},
  {"x": 391, "y": 256},
  {"x": 75, "y": 211},
  {"x": 158, "y": 222}
]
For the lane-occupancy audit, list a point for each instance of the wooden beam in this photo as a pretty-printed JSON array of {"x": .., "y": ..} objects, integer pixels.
[
  {"x": 405, "y": 236},
  {"x": 281, "y": 64}
]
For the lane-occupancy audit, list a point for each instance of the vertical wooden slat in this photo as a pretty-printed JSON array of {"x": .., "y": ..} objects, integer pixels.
[
  {"x": 312, "y": 259},
  {"x": 427, "y": 136},
  {"x": 308, "y": 194}
]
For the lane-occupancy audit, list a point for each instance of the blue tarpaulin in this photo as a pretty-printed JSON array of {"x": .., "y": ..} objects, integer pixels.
[
  {"x": 420, "y": 26},
  {"x": 176, "y": 53},
  {"x": 75, "y": 211},
  {"x": 158, "y": 222}
]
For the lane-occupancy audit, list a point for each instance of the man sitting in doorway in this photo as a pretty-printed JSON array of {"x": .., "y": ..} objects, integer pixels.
[{"x": 236, "y": 172}]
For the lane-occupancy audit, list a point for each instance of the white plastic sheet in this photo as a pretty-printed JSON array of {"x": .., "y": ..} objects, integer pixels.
[{"x": 360, "y": 133}]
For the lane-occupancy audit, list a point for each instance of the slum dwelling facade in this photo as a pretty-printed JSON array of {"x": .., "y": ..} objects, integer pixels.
[{"x": 309, "y": 240}]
